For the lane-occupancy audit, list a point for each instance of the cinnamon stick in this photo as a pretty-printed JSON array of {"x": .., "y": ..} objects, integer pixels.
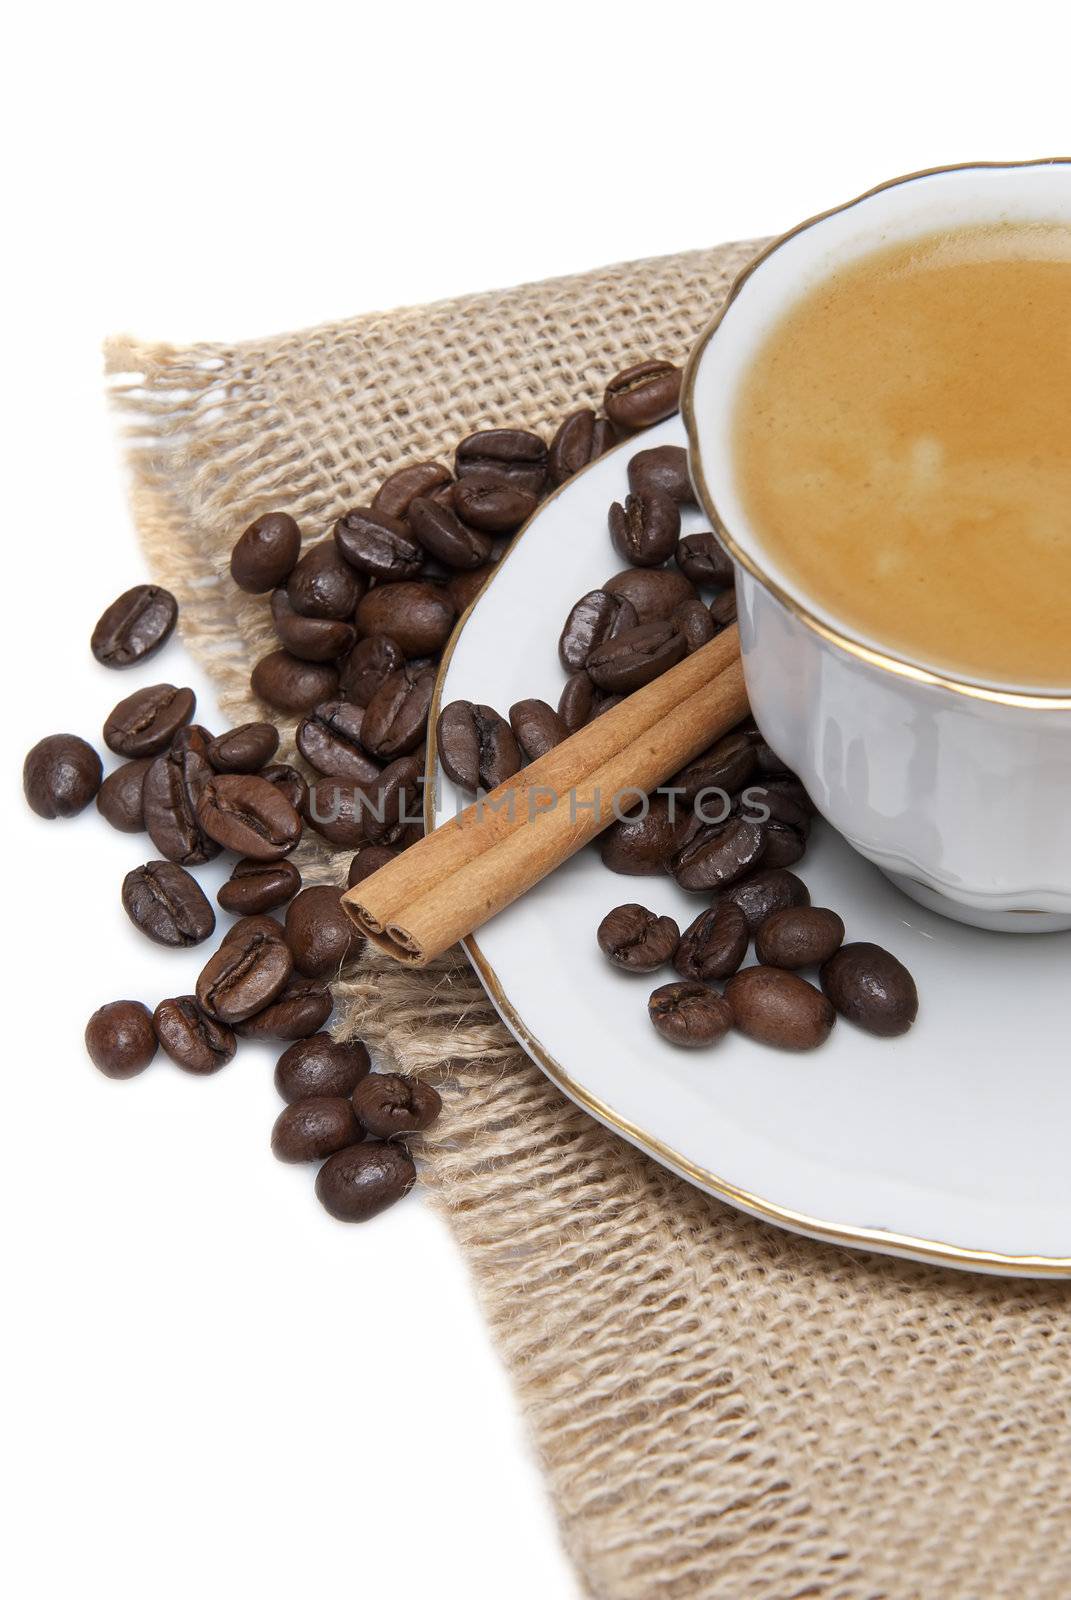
[{"x": 450, "y": 883}]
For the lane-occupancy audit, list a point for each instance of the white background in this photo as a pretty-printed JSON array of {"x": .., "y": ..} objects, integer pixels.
[{"x": 211, "y": 1388}]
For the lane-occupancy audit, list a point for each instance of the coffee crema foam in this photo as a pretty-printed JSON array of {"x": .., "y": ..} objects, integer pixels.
[{"x": 902, "y": 449}]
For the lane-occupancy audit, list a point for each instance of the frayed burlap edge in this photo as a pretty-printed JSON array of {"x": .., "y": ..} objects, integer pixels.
[{"x": 721, "y": 1409}]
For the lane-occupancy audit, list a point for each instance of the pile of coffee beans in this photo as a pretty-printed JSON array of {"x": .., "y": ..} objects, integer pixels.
[{"x": 362, "y": 615}]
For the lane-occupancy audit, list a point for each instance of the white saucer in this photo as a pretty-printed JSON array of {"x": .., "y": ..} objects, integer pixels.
[{"x": 949, "y": 1144}]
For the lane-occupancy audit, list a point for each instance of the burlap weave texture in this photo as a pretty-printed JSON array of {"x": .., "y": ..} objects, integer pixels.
[{"x": 722, "y": 1410}]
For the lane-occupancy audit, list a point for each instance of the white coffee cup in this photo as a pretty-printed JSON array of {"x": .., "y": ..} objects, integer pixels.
[{"x": 959, "y": 789}]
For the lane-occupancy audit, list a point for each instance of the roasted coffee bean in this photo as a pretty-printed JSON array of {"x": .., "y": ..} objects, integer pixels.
[
  {"x": 387, "y": 1104},
  {"x": 368, "y": 663},
  {"x": 778, "y": 1008},
  {"x": 61, "y": 775},
  {"x": 723, "y": 609},
  {"x": 871, "y": 988},
  {"x": 491, "y": 504},
  {"x": 321, "y": 936},
  {"x": 147, "y": 720},
  {"x": 119, "y": 799},
  {"x": 337, "y": 810},
  {"x": 193, "y": 737},
  {"x": 120, "y": 1038},
  {"x": 302, "y": 1009},
  {"x": 368, "y": 859},
  {"x": 283, "y": 681},
  {"x": 396, "y": 717},
  {"x": 266, "y": 553},
  {"x": 596, "y": 618},
  {"x": 663, "y": 468},
  {"x": 510, "y": 453},
  {"x": 314, "y": 1129},
  {"x": 477, "y": 747},
  {"x": 704, "y": 561},
  {"x": 357, "y": 1184},
  {"x": 288, "y": 781},
  {"x": 170, "y": 792},
  {"x": 762, "y": 893},
  {"x": 167, "y": 904},
  {"x": 800, "y": 936},
  {"x": 246, "y": 974},
  {"x": 135, "y": 626},
  {"x": 646, "y": 528},
  {"x": 323, "y": 585},
  {"x": 718, "y": 854},
  {"x": 653, "y": 592},
  {"x": 379, "y": 545},
  {"x": 641, "y": 843},
  {"x": 637, "y": 939},
  {"x": 444, "y": 536},
  {"x": 689, "y": 1014},
  {"x": 255, "y": 923},
  {"x": 309, "y": 638},
  {"x": 635, "y": 657},
  {"x": 330, "y": 740},
  {"x": 581, "y": 438},
  {"x": 785, "y": 844},
  {"x": 463, "y": 587},
  {"x": 725, "y": 768},
  {"x": 537, "y": 727},
  {"x": 694, "y": 623},
  {"x": 320, "y": 1066},
  {"x": 417, "y": 616},
  {"x": 577, "y": 700},
  {"x": 195, "y": 1042},
  {"x": 245, "y": 813},
  {"x": 715, "y": 944},
  {"x": 397, "y": 493},
  {"x": 643, "y": 394},
  {"x": 394, "y": 803},
  {"x": 606, "y": 702},
  {"x": 255, "y": 887},
  {"x": 246, "y": 748}
]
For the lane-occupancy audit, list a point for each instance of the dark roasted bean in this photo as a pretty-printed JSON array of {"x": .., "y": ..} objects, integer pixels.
[
  {"x": 778, "y": 1008},
  {"x": 337, "y": 811},
  {"x": 379, "y": 545},
  {"x": 288, "y": 781},
  {"x": 643, "y": 394},
  {"x": 368, "y": 663},
  {"x": 396, "y": 717},
  {"x": 396, "y": 494},
  {"x": 388, "y": 1104},
  {"x": 704, "y": 561},
  {"x": 799, "y": 936},
  {"x": 321, "y": 936},
  {"x": 195, "y": 1042},
  {"x": 664, "y": 467},
  {"x": 784, "y": 844},
  {"x": 689, "y": 1014},
  {"x": 577, "y": 700},
  {"x": 147, "y": 720},
  {"x": 635, "y": 657},
  {"x": 249, "y": 815},
  {"x": 594, "y": 619},
  {"x": 302, "y": 1009},
  {"x": 762, "y": 893},
  {"x": 313, "y": 1129},
  {"x": 257, "y": 922},
  {"x": 418, "y": 616},
  {"x": 244, "y": 749},
  {"x": 135, "y": 626},
  {"x": 653, "y": 592},
  {"x": 330, "y": 740},
  {"x": 725, "y": 768},
  {"x": 871, "y": 988},
  {"x": 119, "y": 799},
  {"x": 309, "y": 638},
  {"x": 694, "y": 623},
  {"x": 167, "y": 904},
  {"x": 266, "y": 553},
  {"x": 537, "y": 727},
  {"x": 323, "y": 585},
  {"x": 641, "y": 843},
  {"x": 368, "y": 859},
  {"x": 463, "y": 587},
  {"x": 170, "y": 792},
  {"x": 646, "y": 528},
  {"x": 357, "y": 1184},
  {"x": 255, "y": 887},
  {"x": 715, "y": 944},
  {"x": 60, "y": 776},
  {"x": 718, "y": 854},
  {"x": 637, "y": 939},
  {"x": 477, "y": 747},
  {"x": 193, "y": 737},
  {"x": 393, "y": 816},
  {"x": 723, "y": 609},
  {"x": 444, "y": 536},
  {"x": 320, "y": 1066},
  {"x": 492, "y": 504},
  {"x": 247, "y": 972},
  {"x": 289, "y": 684},
  {"x": 510, "y": 453},
  {"x": 120, "y": 1038},
  {"x": 581, "y": 438}
]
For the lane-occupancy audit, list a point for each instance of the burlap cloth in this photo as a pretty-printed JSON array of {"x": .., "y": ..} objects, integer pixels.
[{"x": 721, "y": 1409}]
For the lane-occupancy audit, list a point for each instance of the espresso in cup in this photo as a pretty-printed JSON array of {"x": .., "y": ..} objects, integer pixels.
[{"x": 902, "y": 450}]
